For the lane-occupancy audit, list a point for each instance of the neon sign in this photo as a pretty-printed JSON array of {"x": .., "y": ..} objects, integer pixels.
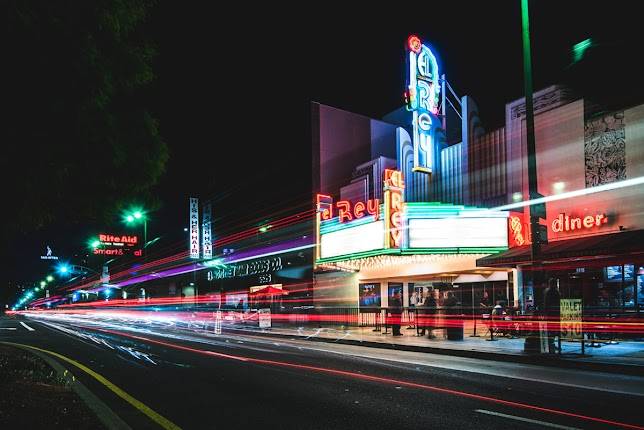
[
  {"x": 206, "y": 241},
  {"x": 116, "y": 252},
  {"x": 516, "y": 230},
  {"x": 346, "y": 210},
  {"x": 194, "y": 228},
  {"x": 421, "y": 98},
  {"x": 117, "y": 240},
  {"x": 566, "y": 223},
  {"x": 393, "y": 192}
]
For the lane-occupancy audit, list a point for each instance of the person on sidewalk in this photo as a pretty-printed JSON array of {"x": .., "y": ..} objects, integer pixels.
[
  {"x": 429, "y": 311},
  {"x": 553, "y": 313},
  {"x": 395, "y": 308},
  {"x": 455, "y": 323}
]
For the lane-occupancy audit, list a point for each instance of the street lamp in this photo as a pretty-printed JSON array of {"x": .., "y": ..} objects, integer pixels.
[
  {"x": 49, "y": 278},
  {"x": 138, "y": 215}
]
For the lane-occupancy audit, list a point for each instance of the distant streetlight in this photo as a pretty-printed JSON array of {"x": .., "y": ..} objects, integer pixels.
[
  {"x": 138, "y": 215},
  {"x": 43, "y": 284},
  {"x": 50, "y": 278},
  {"x": 96, "y": 244},
  {"x": 63, "y": 268}
]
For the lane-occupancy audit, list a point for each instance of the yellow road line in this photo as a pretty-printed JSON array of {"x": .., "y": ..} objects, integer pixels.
[{"x": 157, "y": 418}]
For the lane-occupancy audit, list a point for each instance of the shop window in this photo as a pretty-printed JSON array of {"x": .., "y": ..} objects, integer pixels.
[
  {"x": 640, "y": 287},
  {"x": 369, "y": 295}
]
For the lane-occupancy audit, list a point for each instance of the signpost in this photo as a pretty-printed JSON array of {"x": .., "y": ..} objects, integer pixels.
[
  {"x": 571, "y": 320},
  {"x": 218, "y": 322},
  {"x": 264, "y": 316}
]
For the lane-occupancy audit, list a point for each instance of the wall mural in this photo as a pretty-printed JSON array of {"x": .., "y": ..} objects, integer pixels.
[{"x": 605, "y": 149}]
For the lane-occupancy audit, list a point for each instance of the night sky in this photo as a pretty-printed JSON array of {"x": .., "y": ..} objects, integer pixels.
[{"x": 234, "y": 88}]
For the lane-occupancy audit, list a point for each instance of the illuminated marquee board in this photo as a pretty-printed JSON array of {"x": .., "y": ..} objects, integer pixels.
[
  {"x": 421, "y": 97},
  {"x": 362, "y": 238},
  {"x": 458, "y": 232}
]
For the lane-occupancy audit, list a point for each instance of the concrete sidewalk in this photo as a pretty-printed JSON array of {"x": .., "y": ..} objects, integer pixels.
[{"x": 622, "y": 356}]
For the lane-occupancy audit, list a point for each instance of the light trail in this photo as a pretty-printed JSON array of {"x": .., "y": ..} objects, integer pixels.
[
  {"x": 380, "y": 379},
  {"x": 571, "y": 194},
  {"x": 349, "y": 318}
]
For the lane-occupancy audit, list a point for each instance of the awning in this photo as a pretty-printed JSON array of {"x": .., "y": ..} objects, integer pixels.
[
  {"x": 611, "y": 246},
  {"x": 269, "y": 291}
]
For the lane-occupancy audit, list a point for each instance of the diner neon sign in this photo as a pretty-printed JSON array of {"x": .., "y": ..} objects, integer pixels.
[{"x": 567, "y": 223}]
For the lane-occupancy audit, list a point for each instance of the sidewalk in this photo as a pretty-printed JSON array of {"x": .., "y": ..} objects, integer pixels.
[{"x": 622, "y": 356}]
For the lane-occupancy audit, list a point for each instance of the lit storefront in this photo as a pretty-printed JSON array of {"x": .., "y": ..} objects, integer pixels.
[
  {"x": 412, "y": 247},
  {"x": 591, "y": 174}
]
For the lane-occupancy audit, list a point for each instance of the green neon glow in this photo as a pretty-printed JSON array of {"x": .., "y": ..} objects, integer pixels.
[
  {"x": 409, "y": 252},
  {"x": 359, "y": 255},
  {"x": 579, "y": 49},
  {"x": 217, "y": 262}
]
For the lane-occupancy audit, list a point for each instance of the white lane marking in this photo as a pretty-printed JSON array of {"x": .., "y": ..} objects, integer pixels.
[
  {"x": 526, "y": 420},
  {"x": 27, "y": 327},
  {"x": 484, "y": 369},
  {"x": 8, "y": 328}
]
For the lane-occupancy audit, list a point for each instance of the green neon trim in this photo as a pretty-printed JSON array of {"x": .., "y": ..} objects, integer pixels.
[
  {"x": 412, "y": 251},
  {"x": 464, "y": 250},
  {"x": 359, "y": 255}
]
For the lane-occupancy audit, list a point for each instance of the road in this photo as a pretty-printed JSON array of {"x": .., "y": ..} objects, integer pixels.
[{"x": 199, "y": 380}]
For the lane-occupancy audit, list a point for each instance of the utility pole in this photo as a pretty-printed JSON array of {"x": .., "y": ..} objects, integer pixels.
[
  {"x": 538, "y": 232},
  {"x": 536, "y": 211}
]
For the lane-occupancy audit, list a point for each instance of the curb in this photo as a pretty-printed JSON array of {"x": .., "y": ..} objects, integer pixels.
[
  {"x": 539, "y": 360},
  {"x": 103, "y": 412}
]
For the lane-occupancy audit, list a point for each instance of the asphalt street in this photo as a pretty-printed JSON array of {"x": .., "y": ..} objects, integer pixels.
[{"x": 200, "y": 380}]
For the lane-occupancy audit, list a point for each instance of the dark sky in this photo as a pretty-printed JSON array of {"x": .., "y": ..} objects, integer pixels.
[{"x": 234, "y": 85}]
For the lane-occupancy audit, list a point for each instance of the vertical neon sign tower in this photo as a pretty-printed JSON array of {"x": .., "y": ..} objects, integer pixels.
[
  {"x": 394, "y": 186},
  {"x": 421, "y": 97}
]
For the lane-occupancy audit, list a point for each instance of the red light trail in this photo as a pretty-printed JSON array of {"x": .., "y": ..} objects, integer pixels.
[{"x": 379, "y": 379}]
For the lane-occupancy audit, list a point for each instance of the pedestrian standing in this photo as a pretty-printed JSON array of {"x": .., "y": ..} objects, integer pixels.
[
  {"x": 395, "y": 308},
  {"x": 553, "y": 313},
  {"x": 430, "y": 309}
]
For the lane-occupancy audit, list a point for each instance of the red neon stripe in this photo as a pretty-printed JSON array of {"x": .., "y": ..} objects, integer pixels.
[{"x": 384, "y": 380}]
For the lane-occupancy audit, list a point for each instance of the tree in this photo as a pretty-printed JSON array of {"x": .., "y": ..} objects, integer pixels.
[{"x": 79, "y": 139}]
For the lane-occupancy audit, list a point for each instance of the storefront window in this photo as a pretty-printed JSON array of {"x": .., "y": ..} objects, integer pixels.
[
  {"x": 640, "y": 287},
  {"x": 369, "y": 295}
]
